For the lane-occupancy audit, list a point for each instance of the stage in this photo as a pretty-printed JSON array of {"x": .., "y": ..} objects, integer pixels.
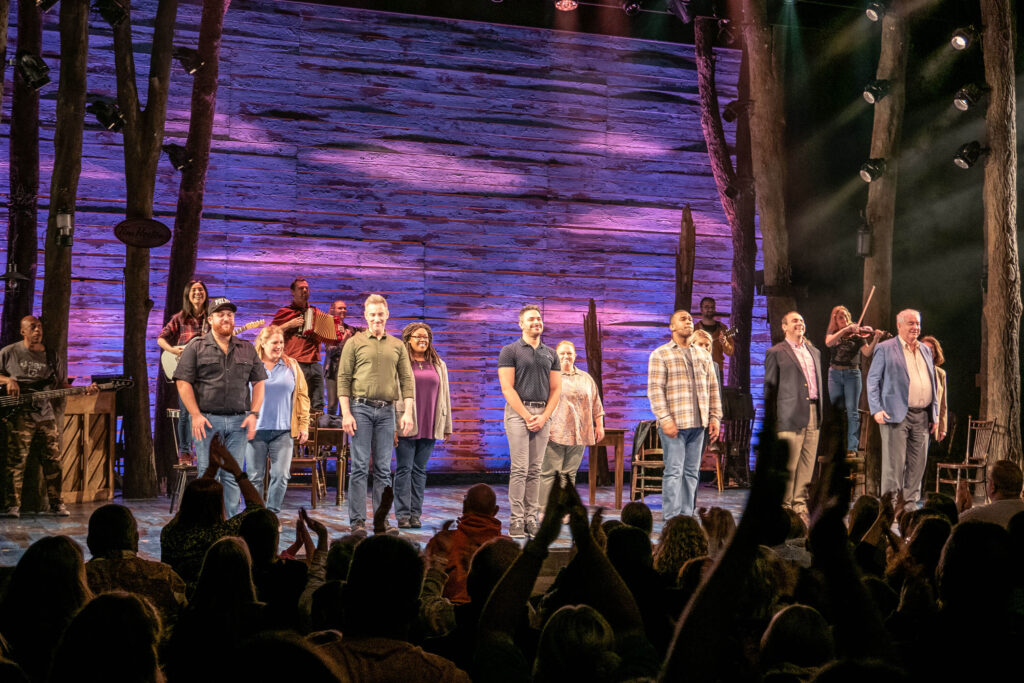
[{"x": 441, "y": 503}]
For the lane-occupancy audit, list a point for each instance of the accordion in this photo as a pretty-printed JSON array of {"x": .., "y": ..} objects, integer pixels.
[{"x": 319, "y": 324}]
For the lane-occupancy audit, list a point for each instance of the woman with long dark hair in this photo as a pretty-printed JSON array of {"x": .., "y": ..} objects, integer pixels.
[
  {"x": 432, "y": 417},
  {"x": 183, "y": 327},
  {"x": 847, "y": 341}
]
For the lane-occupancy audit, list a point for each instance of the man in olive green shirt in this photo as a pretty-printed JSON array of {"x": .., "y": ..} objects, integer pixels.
[{"x": 373, "y": 373}]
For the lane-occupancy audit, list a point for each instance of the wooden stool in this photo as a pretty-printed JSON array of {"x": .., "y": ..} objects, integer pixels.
[{"x": 183, "y": 474}]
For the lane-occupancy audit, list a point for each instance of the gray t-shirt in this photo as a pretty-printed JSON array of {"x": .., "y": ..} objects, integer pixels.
[{"x": 33, "y": 373}]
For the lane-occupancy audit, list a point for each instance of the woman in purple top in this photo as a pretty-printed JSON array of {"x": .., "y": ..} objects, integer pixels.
[{"x": 432, "y": 419}]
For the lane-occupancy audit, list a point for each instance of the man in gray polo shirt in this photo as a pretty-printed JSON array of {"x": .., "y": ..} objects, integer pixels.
[
  {"x": 531, "y": 383},
  {"x": 213, "y": 377}
]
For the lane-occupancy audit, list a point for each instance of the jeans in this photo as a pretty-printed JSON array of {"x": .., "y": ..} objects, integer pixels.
[
  {"x": 314, "y": 374},
  {"x": 558, "y": 459},
  {"x": 411, "y": 476},
  {"x": 277, "y": 444},
  {"x": 375, "y": 433},
  {"x": 526, "y": 451},
  {"x": 184, "y": 432},
  {"x": 682, "y": 471},
  {"x": 844, "y": 387},
  {"x": 232, "y": 435}
]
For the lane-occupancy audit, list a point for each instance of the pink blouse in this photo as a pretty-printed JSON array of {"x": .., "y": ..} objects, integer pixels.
[{"x": 572, "y": 423}]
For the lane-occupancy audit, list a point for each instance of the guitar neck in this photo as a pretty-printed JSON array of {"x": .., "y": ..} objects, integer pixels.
[{"x": 41, "y": 395}]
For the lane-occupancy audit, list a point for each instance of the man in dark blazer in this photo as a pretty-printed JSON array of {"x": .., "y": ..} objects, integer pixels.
[
  {"x": 792, "y": 381},
  {"x": 903, "y": 400}
]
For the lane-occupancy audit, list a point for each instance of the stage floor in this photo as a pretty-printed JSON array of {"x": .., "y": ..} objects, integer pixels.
[{"x": 441, "y": 503}]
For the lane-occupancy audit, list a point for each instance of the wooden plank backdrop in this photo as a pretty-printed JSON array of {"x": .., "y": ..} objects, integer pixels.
[{"x": 461, "y": 169}]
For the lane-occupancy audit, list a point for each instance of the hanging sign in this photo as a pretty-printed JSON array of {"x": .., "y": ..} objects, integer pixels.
[{"x": 142, "y": 232}]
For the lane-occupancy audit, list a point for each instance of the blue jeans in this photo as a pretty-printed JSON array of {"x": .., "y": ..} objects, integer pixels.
[
  {"x": 277, "y": 444},
  {"x": 682, "y": 471},
  {"x": 844, "y": 387},
  {"x": 375, "y": 434},
  {"x": 232, "y": 435},
  {"x": 412, "y": 456}
]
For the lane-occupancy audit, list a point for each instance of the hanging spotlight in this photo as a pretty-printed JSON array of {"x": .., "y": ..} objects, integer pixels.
[
  {"x": 872, "y": 170},
  {"x": 107, "y": 113},
  {"x": 732, "y": 110},
  {"x": 876, "y": 10},
  {"x": 12, "y": 278},
  {"x": 876, "y": 90},
  {"x": 112, "y": 11},
  {"x": 688, "y": 10},
  {"x": 632, "y": 7},
  {"x": 968, "y": 154},
  {"x": 963, "y": 37},
  {"x": 32, "y": 68},
  {"x": 44, "y": 5},
  {"x": 189, "y": 59},
  {"x": 65, "y": 228},
  {"x": 566, "y": 5},
  {"x": 178, "y": 155},
  {"x": 968, "y": 96}
]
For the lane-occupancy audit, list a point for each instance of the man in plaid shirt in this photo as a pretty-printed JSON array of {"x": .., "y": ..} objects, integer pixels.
[{"x": 682, "y": 387}]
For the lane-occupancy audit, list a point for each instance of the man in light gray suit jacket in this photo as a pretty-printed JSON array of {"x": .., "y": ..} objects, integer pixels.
[
  {"x": 793, "y": 382},
  {"x": 902, "y": 398}
]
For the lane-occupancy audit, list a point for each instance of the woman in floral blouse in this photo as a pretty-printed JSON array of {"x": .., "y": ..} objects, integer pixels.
[{"x": 578, "y": 422}]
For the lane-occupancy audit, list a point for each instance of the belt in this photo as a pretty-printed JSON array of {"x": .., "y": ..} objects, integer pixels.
[
  {"x": 916, "y": 410},
  {"x": 371, "y": 402},
  {"x": 535, "y": 404},
  {"x": 226, "y": 414}
]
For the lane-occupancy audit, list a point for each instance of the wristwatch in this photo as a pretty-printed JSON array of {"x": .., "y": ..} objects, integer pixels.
[
  {"x": 241, "y": 475},
  {"x": 253, "y": 412}
]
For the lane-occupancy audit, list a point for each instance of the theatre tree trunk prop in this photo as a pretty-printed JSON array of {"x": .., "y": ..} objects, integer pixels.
[
  {"x": 880, "y": 213},
  {"x": 184, "y": 244},
  {"x": 736, "y": 194},
  {"x": 685, "y": 255},
  {"x": 22, "y": 237},
  {"x": 143, "y": 135},
  {"x": 5, "y": 10},
  {"x": 1002, "y": 311},
  {"x": 67, "y": 168},
  {"x": 768, "y": 134},
  {"x": 592, "y": 342}
]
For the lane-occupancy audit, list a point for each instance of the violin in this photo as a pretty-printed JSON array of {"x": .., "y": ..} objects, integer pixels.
[{"x": 866, "y": 332}]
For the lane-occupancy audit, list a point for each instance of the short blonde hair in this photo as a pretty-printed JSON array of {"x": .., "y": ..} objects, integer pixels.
[
  {"x": 564, "y": 341},
  {"x": 376, "y": 299},
  {"x": 703, "y": 334},
  {"x": 265, "y": 334}
]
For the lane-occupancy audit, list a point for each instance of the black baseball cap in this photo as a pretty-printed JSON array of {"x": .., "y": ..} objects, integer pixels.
[{"x": 221, "y": 302}]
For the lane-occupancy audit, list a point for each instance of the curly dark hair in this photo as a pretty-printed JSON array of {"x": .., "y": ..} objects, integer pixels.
[{"x": 682, "y": 539}]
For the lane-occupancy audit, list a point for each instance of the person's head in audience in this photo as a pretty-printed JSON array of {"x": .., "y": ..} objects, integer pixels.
[
  {"x": 117, "y": 619},
  {"x": 909, "y": 521},
  {"x": 225, "y": 581},
  {"x": 488, "y": 564},
  {"x": 326, "y": 608},
  {"x": 926, "y": 543},
  {"x": 280, "y": 656},
  {"x": 682, "y": 539},
  {"x": 259, "y": 530},
  {"x": 796, "y": 636},
  {"x": 719, "y": 525},
  {"x": 635, "y": 513},
  {"x": 480, "y": 499},
  {"x": 339, "y": 557},
  {"x": 1005, "y": 480},
  {"x": 768, "y": 580},
  {"x": 577, "y": 644},
  {"x": 934, "y": 500},
  {"x": 609, "y": 524},
  {"x": 382, "y": 593},
  {"x": 630, "y": 551},
  {"x": 884, "y": 597},
  {"x": 112, "y": 529},
  {"x": 692, "y": 573},
  {"x": 202, "y": 504},
  {"x": 862, "y": 516},
  {"x": 975, "y": 571}
]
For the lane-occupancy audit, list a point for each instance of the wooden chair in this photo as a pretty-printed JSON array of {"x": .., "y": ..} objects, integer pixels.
[
  {"x": 856, "y": 461},
  {"x": 649, "y": 456},
  {"x": 334, "y": 441},
  {"x": 734, "y": 451},
  {"x": 306, "y": 462},
  {"x": 974, "y": 467}
]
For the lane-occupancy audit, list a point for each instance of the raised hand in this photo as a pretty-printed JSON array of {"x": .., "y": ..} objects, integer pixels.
[{"x": 380, "y": 515}]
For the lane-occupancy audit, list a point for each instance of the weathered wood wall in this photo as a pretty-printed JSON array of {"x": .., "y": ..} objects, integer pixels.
[{"x": 461, "y": 169}]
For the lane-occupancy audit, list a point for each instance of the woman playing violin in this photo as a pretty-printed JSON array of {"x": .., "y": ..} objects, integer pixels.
[{"x": 845, "y": 338}]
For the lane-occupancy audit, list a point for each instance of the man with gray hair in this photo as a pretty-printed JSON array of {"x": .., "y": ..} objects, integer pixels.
[
  {"x": 373, "y": 373},
  {"x": 902, "y": 398}
]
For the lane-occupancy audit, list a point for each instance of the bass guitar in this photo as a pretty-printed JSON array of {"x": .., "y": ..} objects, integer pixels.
[
  {"x": 10, "y": 404},
  {"x": 169, "y": 361}
]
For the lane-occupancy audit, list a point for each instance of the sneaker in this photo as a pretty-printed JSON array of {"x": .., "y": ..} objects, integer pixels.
[
  {"x": 59, "y": 510},
  {"x": 358, "y": 528},
  {"x": 404, "y": 523},
  {"x": 515, "y": 529},
  {"x": 387, "y": 530},
  {"x": 532, "y": 527},
  {"x": 414, "y": 522},
  {"x": 12, "y": 513}
]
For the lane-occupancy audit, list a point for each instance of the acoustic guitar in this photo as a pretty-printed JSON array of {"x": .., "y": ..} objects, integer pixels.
[
  {"x": 10, "y": 404},
  {"x": 169, "y": 361}
]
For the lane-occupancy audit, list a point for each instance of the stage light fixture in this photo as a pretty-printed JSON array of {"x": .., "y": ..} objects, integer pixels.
[
  {"x": 963, "y": 37},
  {"x": 32, "y": 68},
  {"x": 632, "y": 7},
  {"x": 968, "y": 154},
  {"x": 189, "y": 59},
  {"x": 178, "y": 155},
  {"x": 566, "y": 5},
  {"x": 732, "y": 110},
  {"x": 112, "y": 11},
  {"x": 872, "y": 170},
  {"x": 876, "y": 90},
  {"x": 107, "y": 113},
  {"x": 12, "y": 278},
  {"x": 688, "y": 10},
  {"x": 876, "y": 10},
  {"x": 864, "y": 239},
  {"x": 968, "y": 96},
  {"x": 65, "y": 236},
  {"x": 44, "y": 5}
]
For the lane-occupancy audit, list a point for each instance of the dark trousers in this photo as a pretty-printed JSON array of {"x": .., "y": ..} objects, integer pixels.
[{"x": 314, "y": 374}]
